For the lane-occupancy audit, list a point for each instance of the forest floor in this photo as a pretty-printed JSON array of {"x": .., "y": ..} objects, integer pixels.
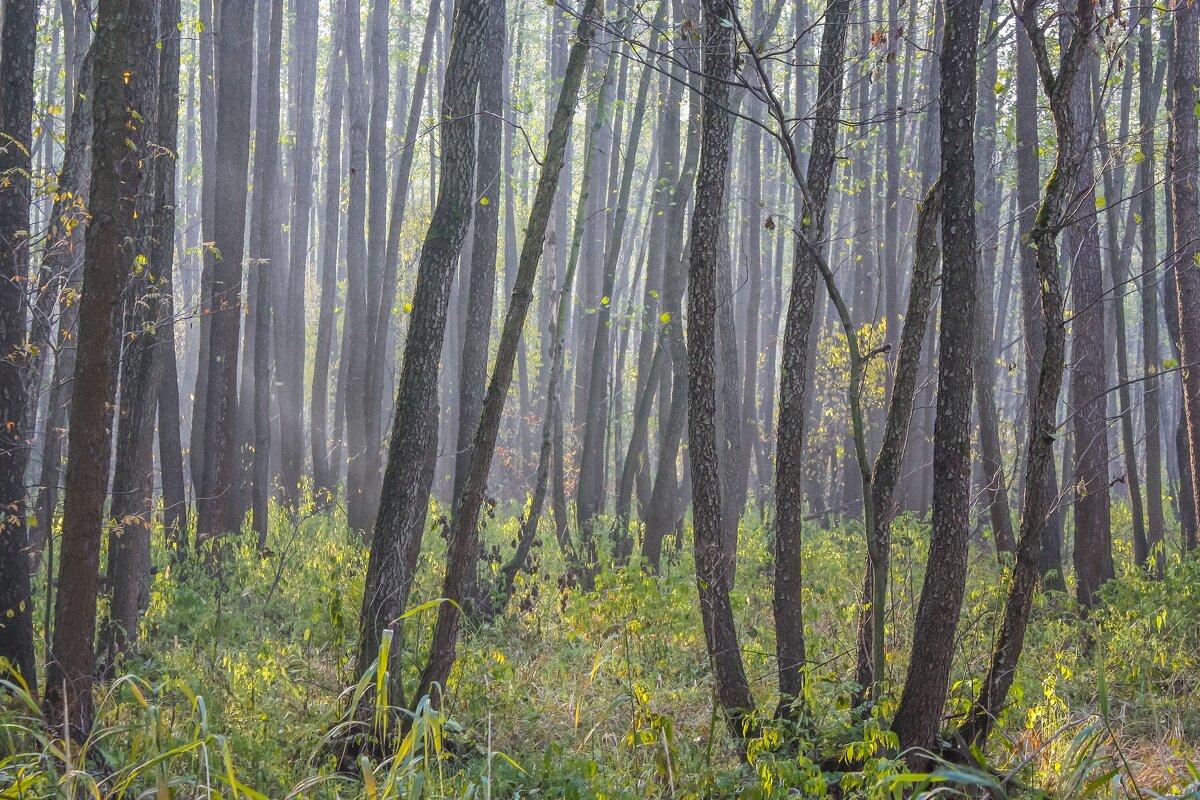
[{"x": 239, "y": 684}]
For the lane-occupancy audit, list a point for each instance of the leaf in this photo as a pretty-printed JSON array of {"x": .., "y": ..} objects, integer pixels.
[{"x": 664, "y": 317}]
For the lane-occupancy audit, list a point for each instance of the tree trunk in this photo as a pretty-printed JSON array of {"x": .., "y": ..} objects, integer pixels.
[
  {"x": 988, "y": 187},
  {"x": 712, "y": 578},
  {"x": 1182, "y": 154},
  {"x": 1150, "y": 76},
  {"x": 17, "y": 46},
  {"x": 401, "y": 520},
  {"x": 1088, "y": 403},
  {"x": 290, "y": 363},
  {"x": 465, "y": 523},
  {"x": 919, "y": 715},
  {"x": 224, "y": 259},
  {"x": 1052, "y": 216},
  {"x": 794, "y": 357},
  {"x": 123, "y": 93},
  {"x": 325, "y": 474}
]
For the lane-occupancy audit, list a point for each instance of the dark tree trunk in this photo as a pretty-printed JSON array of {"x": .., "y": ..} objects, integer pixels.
[
  {"x": 988, "y": 187},
  {"x": 1088, "y": 400},
  {"x": 124, "y": 81},
  {"x": 481, "y": 278},
  {"x": 17, "y": 46},
  {"x": 401, "y": 520},
  {"x": 1029, "y": 200},
  {"x": 145, "y": 342},
  {"x": 1181, "y": 155},
  {"x": 794, "y": 358},
  {"x": 1052, "y": 216},
  {"x": 919, "y": 716},
  {"x": 464, "y": 526},
  {"x": 712, "y": 578}
]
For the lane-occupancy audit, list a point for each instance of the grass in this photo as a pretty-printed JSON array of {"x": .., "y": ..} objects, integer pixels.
[{"x": 239, "y": 685}]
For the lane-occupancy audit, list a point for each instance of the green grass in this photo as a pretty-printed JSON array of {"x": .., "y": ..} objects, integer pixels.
[{"x": 239, "y": 686}]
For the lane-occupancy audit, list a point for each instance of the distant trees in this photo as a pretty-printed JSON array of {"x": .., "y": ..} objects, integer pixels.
[{"x": 223, "y": 260}]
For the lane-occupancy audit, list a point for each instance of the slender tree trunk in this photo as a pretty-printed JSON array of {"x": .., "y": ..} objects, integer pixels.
[
  {"x": 712, "y": 577},
  {"x": 1150, "y": 76},
  {"x": 401, "y": 520},
  {"x": 870, "y": 672},
  {"x": 919, "y": 715},
  {"x": 464, "y": 526},
  {"x": 1052, "y": 216},
  {"x": 354, "y": 319},
  {"x": 1029, "y": 200},
  {"x": 148, "y": 306},
  {"x": 1088, "y": 403},
  {"x": 481, "y": 279},
  {"x": 325, "y": 474},
  {"x": 988, "y": 186},
  {"x": 794, "y": 358},
  {"x": 123, "y": 92},
  {"x": 1182, "y": 154},
  {"x": 17, "y": 46},
  {"x": 290, "y": 363},
  {"x": 224, "y": 260},
  {"x": 591, "y": 482}
]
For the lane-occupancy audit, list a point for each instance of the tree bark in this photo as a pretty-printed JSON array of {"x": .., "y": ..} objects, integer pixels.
[
  {"x": 919, "y": 715},
  {"x": 125, "y": 78},
  {"x": 1052, "y": 216},
  {"x": 17, "y": 46},
  {"x": 400, "y": 523},
  {"x": 712, "y": 578},
  {"x": 1181, "y": 155},
  {"x": 1087, "y": 404},
  {"x": 794, "y": 357},
  {"x": 290, "y": 363},
  {"x": 325, "y": 474},
  {"x": 465, "y": 523},
  {"x": 224, "y": 259}
]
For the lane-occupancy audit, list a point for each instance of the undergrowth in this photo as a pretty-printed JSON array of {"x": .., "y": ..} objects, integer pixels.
[{"x": 242, "y": 683}]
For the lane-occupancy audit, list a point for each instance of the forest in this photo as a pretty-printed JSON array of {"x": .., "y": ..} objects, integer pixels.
[{"x": 599, "y": 399}]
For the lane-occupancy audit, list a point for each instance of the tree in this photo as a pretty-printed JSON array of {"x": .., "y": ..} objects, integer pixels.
[
  {"x": 1052, "y": 216},
  {"x": 125, "y": 77},
  {"x": 919, "y": 715},
  {"x": 464, "y": 525},
  {"x": 789, "y": 453},
  {"x": 1087, "y": 401},
  {"x": 325, "y": 474},
  {"x": 712, "y": 567},
  {"x": 1181, "y": 157},
  {"x": 235, "y": 71},
  {"x": 400, "y": 523},
  {"x": 290, "y": 359},
  {"x": 148, "y": 341},
  {"x": 17, "y": 45}
]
